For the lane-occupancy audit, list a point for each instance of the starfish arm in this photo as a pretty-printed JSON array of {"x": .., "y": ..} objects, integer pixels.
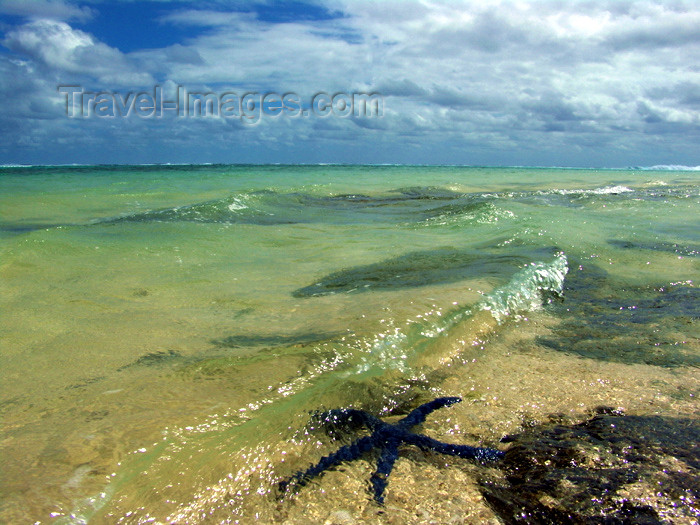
[
  {"x": 385, "y": 465},
  {"x": 387, "y": 438},
  {"x": 417, "y": 416},
  {"x": 346, "y": 453},
  {"x": 341, "y": 416},
  {"x": 463, "y": 451}
]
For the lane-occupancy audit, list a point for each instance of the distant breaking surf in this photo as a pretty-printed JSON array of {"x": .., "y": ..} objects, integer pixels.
[{"x": 668, "y": 167}]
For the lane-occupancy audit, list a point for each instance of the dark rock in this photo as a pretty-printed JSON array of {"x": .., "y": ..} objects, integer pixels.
[
  {"x": 604, "y": 319},
  {"x": 671, "y": 247},
  {"x": 272, "y": 341},
  {"x": 422, "y": 268},
  {"x": 608, "y": 469},
  {"x": 154, "y": 359}
]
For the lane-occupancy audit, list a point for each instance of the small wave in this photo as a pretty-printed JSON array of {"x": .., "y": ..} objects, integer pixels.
[
  {"x": 267, "y": 207},
  {"x": 607, "y": 190},
  {"x": 528, "y": 289},
  {"x": 237, "y": 204},
  {"x": 668, "y": 167}
]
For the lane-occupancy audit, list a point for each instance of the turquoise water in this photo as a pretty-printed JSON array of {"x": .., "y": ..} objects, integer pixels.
[{"x": 169, "y": 330}]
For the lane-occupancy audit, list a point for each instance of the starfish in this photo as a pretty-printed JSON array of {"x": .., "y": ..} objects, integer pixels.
[{"x": 387, "y": 438}]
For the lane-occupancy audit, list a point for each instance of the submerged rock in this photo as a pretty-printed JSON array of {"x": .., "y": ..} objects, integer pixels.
[
  {"x": 421, "y": 268},
  {"x": 273, "y": 341},
  {"x": 606, "y": 320},
  {"x": 609, "y": 469},
  {"x": 158, "y": 358},
  {"x": 671, "y": 247}
]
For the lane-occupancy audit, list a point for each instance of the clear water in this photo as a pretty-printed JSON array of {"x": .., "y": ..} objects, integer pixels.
[{"x": 168, "y": 331}]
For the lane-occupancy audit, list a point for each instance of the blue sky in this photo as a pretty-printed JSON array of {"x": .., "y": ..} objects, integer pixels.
[{"x": 601, "y": 83}]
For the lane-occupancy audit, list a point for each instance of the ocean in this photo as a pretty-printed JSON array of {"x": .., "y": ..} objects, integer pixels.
[{"x": 170, "y": 334}]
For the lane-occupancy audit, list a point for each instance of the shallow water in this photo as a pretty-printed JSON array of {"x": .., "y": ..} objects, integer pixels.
[{"x": 169, "y": 332}]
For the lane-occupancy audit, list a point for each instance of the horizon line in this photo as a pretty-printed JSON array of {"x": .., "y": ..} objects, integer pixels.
[{"x": 656, "y": 167}]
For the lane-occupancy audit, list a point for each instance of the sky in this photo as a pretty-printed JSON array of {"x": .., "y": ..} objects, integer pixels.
[{"x": 594, "y": 83}]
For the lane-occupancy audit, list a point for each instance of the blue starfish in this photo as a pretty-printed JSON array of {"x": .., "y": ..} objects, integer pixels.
[{"x": 387, "y": 438}]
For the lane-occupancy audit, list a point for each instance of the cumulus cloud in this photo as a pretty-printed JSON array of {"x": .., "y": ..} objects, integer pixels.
[{"x": 57, "y": 46}]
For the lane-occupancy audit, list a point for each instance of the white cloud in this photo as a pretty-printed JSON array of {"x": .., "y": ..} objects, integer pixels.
[
  {"x": 207, "y": 18},
  {"x": 61, "y": 48},
  {"x": 47, "y": 9},
  {"x": 241, "y": 50}
]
